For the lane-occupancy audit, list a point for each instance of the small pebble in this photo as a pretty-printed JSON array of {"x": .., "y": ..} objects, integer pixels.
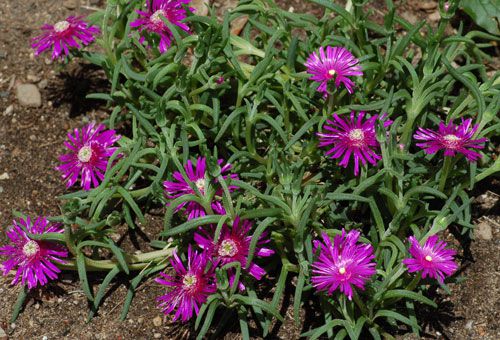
[
  {"x": 4, "y": 176},
  {"x": 3, "y": 335},
  {"x": 33, "y": 78},
  {"x": 428, "y": 5},
  {"x": 43, "y": 84},
  {"x": 157, "y": 335},
  {"x": 157, "y": 321},
  {"x": 28, "y": 95},
  {"x": 70, "y": 4},
  {"x": 9, "y": 110},
  {"x": 483, "y": 231},
  {"x": 37, "y": 306},
  {"x": 435, "y": 16}
]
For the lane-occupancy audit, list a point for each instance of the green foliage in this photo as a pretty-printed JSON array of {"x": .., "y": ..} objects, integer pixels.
[
  {"x": 263, "y": 119},
  {"x": 486, "y": 13}
]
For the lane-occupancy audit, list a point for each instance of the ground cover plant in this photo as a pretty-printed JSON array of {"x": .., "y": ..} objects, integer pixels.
[{"x": 331, "y": 152}]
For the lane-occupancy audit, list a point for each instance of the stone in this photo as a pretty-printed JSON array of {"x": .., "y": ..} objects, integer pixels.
[
  {"x": 410, "y": 17},
  {"x": 200, "y": 6},
  {"x": 157, "y": 321},
  {"x": 157, "y": 335},
  {"x": 238, "y": 24},
  {"x": 435, "y": 16},
  {"x": 9, "y": 110},
  {"x": 483, "y": 231},
  {"x": 28, "y": 95},
  {"x": 4, "y": 176},
  {"x": 427, "y": 5},
  {"x": 70, "y": 4},
  {"x": 33, "y": 78},
  {"x": 43, "y": 84},
  {"x": 3, "y": 335}
]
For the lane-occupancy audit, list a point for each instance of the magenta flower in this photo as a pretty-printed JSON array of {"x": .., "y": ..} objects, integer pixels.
[
  {"x": 452, "y": 139},
  {"x": 190, "y": 286},
  {"x": 342, "y": 264},
  {"x": 337, "y": 64},
  {"x": 233, "y": 245},
  {"x": 197, "y": 175},
  {"x": 33, "y": 260},
  {"x": 432, "y": 259},
  {"x": 352, "y": 137},
  {"x": 64, "y": 35},
  {"x": 90, "y": 149},
  {"x": 152, "y": 21}
]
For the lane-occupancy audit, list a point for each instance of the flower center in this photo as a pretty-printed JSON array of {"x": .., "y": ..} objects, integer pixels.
[
  {"x": 428, "y": 258},
  {"x": 61, "y": 26},
  {"x": 156, "y": 18},
  {"x": 200, "y": 184},
  {"x": 84, "y": 154},
  {"x": 357, "y": 137},
  {"x": 189, "y": 281},
  {"x": 31, "y": 248},
  {"x": 451, "y": 141},
  {"x": 342, "y": 270},
  {"x": 331, "y": 72},
  {"x": 228, "y": 248}
]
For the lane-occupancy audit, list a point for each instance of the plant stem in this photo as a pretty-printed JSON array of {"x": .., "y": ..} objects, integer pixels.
[
  {"x": 135, "y": 262},
  {"x": 407, "y": 130},
  {"x": 444, "y": 172}
]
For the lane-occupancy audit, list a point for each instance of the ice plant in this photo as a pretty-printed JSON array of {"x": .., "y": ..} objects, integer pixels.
[
  {"x": 32, "y": 260},
  {"x": 89, "y": 151},
  {"x": 197, "y": 175},
  {"x": 63, "y": 35},
  {"x": 152, "y": 20},
  {"x": 352, "y": 137},
  {"x": 432, "y": 259},
  {"x": 343, "y": 264},
  {"x": 336, "y": 64},
  {"x": 189, "y": 286},
  {"x": 452, "y": 139},
  {"x": 233, "y": 245}
]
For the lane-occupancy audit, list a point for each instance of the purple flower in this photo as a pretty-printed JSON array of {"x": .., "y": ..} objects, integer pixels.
[
  {"x": 342, "y": 264},
  {"x": 32, "y": 259},
  {"x": 452, "y": 138},
  {"x": 432, "y": 259},
  {"x": 64, "y": 35},
  {"x": 190, "y": 286},
  {"x": 233, "y": 245},
  {"x": 152, "y": 21},
  {"x": 336, "y": 64},
  {"x": 90, "y": 149},
  {"x": 197, "y": 175},
  {"x": 352, "y": 137}
]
